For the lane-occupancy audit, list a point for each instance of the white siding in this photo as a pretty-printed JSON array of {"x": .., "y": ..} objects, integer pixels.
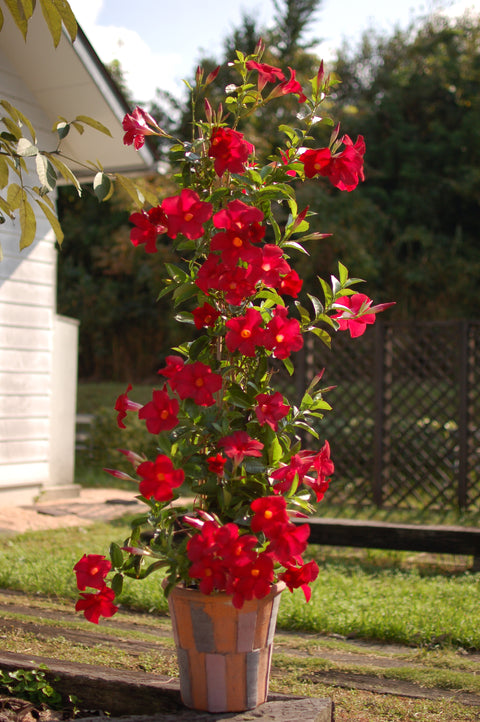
[{"x": 27, "y": 327}]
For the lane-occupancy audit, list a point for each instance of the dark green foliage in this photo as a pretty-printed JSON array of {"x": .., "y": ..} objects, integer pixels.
[
  {"x": 111, "y": 287},
  {"x": 415, "y": 97}
]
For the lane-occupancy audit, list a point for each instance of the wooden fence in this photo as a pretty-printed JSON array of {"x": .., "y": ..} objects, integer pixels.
[{"x": 405, "y": 425}]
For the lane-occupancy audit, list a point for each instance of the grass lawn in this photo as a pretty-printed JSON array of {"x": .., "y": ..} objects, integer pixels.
[{"x": 384, "y": 596}]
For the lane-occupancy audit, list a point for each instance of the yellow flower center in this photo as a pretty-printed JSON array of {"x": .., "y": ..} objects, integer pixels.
[
  {"x": 255, "y": 572},
  {"x": 237, "y": 242},
  {"x": 268, "y": 514},
  {"x": 187, "y": 216},
  {"x": 199, "y": 383},
  {"x": 94, "y": 570},
  {"x": 279, "y": 337},
  {"x": 164, "y": 414},
  {"x": 160, "y": 476},
  {"x": 245, "y": 333}
]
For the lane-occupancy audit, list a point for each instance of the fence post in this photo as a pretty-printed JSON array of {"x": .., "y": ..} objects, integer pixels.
[
  {"x": 463, "y": 416},
  {"x": 378, "y": 438}
]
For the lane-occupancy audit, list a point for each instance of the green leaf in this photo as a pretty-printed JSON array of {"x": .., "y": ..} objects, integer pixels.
[
  {"x": 46, "y": 172},
  {"x": 1, "y": 23},
  {"x": 238, "y": 397},
  {"x": 197, "y": 347},
  {"x": 25, "y": 148},
  {"x": 323, "y": 336},
  {"x": 116, "y": 555},
  {"x": 65, "y": 171},
  {"x": 317, "y": 306},
  {"x": 86, "y": 120},
  {"x": 63, "y": 129},
  {"x": 117, "y": 584},
  {"x": 53, "y": 220},
  {"x": 288, "y": 365},
  {"x": 102, "y": 187}
]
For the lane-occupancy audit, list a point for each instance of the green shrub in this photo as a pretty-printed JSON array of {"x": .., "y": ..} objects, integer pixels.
[{"x": 106, "y": 438}]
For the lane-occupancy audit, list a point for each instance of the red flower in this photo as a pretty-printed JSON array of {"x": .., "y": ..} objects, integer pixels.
[
  {"x": 291, "y": 86},
  {"x": 285, "y": 475},
  {"x": 159, "y": 478},
  {"x": 136, "y": 127},
  {"x": 357, "y": 317},
  {"x": 269, "y": 513},
  {"x": 245, "y": 333},
  {"x": 239, "y": 445},
  {"x": 174, "y": 365},
  {"x": 290, "y": 284},
  {"x": 205, "y": 315},
  {"x": 237, "y": 283},
  {"x": 324, "y": 467},
  {"x": 185, "y": 214},
  {"x": 148, "y": 227},
  {"x": 230, "y": 150},
  {"x": 266, "y": 73},
  {"x": 252, "y": 580},
  {"x": 123, "y": 404},
  {"x": 300, "y": 577},
  {"x": 97, "y": 605},
  {"x": 209, "y": 273},
  {"x": 198, "y": 382},
  {"x": 235, "y": 248},
  {"x": 283, "y": 334},
  {"x": 271, "y": 409},
  {"x": 216, "y": 464},
  {"x": 91, "y": 571},
  {"x": 344, "y": 169},
  {"x": 273, "y": 264},
  {"x": 286, "y": 160},
  {"x": 238, "y": 216},
  {"x": 288, "y": 542},
  {"x": 160, "y": 413}
]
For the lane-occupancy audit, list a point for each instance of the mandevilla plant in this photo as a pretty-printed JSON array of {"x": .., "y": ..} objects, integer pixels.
[{"x": 226, "y": 435}]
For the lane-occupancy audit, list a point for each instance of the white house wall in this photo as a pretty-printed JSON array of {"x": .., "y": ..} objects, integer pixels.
[{"x": 30, "y": 462}]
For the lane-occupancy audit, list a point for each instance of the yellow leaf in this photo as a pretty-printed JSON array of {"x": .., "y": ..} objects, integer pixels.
[
  {"x": 53, "y": 20},
  {"x": 1, "y": 26},
  {"x": 65, "y": 12},
  {"x": 53, "y": 220},
  {"x": 14, "y": 195},
  {"x": 28, "y": 223},
  {"x": 86, "y": 120},
  {"x": 129, "y": 186},
  {"x": 65, "y": 171},
  {"x": 18, "y": 15},
  {"x": 5, "y": 207},
  {"x": 4, "y": 171}
]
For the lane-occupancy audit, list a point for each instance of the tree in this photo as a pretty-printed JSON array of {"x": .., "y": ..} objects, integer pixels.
[{"x": 415, "y": 97}]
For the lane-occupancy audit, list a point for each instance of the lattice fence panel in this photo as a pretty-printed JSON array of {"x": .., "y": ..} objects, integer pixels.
[
  {"x": 420, "y": 458},
  {"x": 473, "y": 417},
  {"x": 350, "y": 426},
  {"x": 405, "y": 425}
]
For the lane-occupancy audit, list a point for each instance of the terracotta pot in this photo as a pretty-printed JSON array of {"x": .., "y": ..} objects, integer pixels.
[{"x": 224, "y": 654}]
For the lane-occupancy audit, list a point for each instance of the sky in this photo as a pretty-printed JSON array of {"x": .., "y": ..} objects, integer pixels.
[{"x": 159, "y": 42}]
